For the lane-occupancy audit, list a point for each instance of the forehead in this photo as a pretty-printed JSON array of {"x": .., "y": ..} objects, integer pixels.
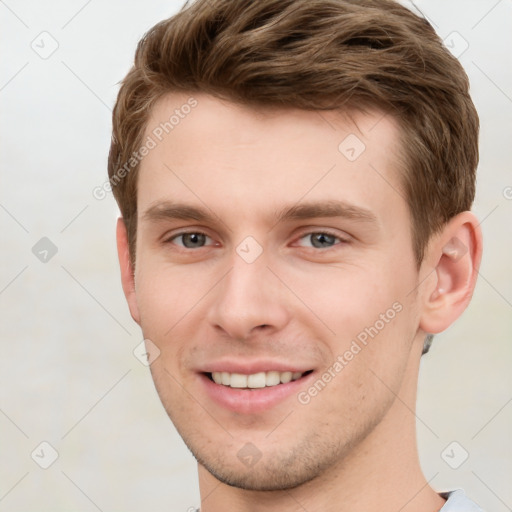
[{"x": 250, "y": 159}]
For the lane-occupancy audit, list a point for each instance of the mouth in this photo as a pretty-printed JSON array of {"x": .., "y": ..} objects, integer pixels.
[
  {"x": 253, "y": 387},
  {"x": 258, "y": 380}
]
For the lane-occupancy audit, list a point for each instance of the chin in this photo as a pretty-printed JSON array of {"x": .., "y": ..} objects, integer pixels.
[
  {"x": 278, "y": 469},
  {"x": 266, "y": 477}
]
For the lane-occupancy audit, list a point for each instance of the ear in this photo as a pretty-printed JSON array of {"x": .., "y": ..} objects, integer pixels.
[
  {"x": 127, "y": 270},
  {"x": 455, "y": 256}
]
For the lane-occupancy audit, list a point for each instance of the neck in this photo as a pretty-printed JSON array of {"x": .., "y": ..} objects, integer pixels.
[{"x": 381, "y": 474}]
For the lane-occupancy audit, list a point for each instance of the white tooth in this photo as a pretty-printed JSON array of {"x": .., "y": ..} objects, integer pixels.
[
  {"x": 272, "y": 379},
  {"x": 216, "y": 378},
  {"x": 238, "y": 380},
  {"x": 226, "y": 378},
  {"x": 296, "y": 375},
  {"x": 256, "y": 380},
  {"x": 285, "y": 377}
]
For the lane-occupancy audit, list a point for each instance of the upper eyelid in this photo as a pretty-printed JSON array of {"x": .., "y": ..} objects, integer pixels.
[
  {"x": 339, "y": 241},
  {"x": 331, "y": 232},
  {"x": 184, "y": 231}
]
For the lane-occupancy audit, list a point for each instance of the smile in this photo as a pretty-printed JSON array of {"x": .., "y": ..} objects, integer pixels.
[
  {"x": 253, "y": 387},
  {"x": 255, "y": 380}
]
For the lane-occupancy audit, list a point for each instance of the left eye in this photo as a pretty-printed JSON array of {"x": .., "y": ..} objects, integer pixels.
[
  {"x": 319, "y": 240},
  {"x": 191, "y": 240}
]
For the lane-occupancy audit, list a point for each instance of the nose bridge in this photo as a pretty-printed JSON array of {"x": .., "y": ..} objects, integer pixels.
[{"x": 248, "y": 297}]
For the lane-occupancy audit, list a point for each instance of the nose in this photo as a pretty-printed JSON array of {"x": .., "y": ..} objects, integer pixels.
[{"x": 250, "y": 299}]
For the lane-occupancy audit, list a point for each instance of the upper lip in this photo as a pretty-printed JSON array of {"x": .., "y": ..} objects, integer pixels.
[{"x": 251, "y": 367}]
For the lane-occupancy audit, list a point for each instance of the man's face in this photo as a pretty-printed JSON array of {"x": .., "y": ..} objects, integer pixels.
[{"x": 275, "y": 244}]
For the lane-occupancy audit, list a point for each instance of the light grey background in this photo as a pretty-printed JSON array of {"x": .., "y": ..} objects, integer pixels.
[{"x": 68, "y": 373}]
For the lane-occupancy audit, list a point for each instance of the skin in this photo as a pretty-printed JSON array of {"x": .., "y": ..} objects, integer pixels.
[{"x": 353, "y": 445}]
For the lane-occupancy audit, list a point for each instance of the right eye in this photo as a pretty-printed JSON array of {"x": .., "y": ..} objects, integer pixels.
[{"x": 191, "y": 240}]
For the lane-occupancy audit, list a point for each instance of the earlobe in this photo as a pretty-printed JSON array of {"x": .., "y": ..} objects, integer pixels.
[
  {"x": 127, "y": 271},
  {"x": 456, "y": 253}
]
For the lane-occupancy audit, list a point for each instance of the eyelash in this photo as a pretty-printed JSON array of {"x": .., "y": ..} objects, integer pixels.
[
  {"x": 340, "y": 240},
  {"x": 171, "y": 239}
]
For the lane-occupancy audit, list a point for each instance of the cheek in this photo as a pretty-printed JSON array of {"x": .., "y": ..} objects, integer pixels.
[
  {"x": 368, "y": 362},
  {"x": 349, "y": 298},
  {"x": 165, "y": 296},
  {"x": 372, "y": 319},
  {"x": 173, "y": 303},
  {"x": 167, "y": 292}
]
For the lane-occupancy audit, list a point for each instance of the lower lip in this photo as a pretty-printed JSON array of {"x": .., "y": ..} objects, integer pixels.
[{"x": 250, "y": 401}]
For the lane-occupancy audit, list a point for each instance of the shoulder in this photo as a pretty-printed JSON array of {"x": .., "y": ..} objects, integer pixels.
[{"x": 457, "y": 501}]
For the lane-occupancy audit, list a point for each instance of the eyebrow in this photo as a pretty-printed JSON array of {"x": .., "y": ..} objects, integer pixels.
[
  {"x": 326, "y": 209},
  {"x": 167, "y": 210}
]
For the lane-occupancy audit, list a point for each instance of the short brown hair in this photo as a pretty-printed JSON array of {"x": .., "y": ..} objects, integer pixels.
[{"x": 314, "y": 55}]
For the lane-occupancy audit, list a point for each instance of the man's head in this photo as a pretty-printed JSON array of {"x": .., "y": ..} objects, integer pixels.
[
  {"x": 302, "y": 218},
  {"x": 320, "y": 55}
]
